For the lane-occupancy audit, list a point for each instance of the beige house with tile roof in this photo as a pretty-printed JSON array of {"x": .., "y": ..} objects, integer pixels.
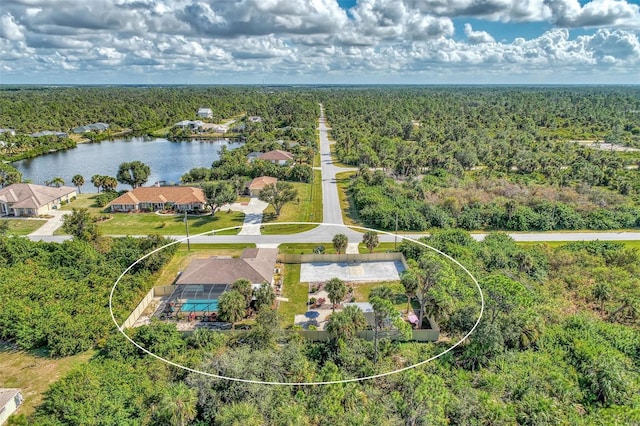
[
  {"x": 255, "y": 186},
  {"x": 179, "y": 198},
  {"x": 255, "y": 264},
  {"x": 27, "y": 199},
  {"x": 277, "y": 156}
]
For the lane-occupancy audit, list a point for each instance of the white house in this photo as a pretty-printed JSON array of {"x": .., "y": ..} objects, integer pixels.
[
  {"x": 10, "y": 399},
  {"x": 205, "y": 113}
]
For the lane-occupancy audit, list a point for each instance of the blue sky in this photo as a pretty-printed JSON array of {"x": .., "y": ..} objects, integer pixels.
[{"x": 319, "y": 41}]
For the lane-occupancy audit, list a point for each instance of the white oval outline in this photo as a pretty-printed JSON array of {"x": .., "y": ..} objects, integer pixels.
[{"x": 331, "y": 382}]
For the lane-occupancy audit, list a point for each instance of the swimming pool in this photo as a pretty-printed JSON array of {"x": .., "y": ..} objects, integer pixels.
[{"x": 200, "y": 305}]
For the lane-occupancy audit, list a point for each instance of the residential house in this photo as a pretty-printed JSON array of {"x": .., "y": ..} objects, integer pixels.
[
  {"x": 254, "y": 264},
  {"x": 255, "y": 119},
  {"x": 93, "y": 127},
  {"x": 277, "y": 156},
  {"x": 49, "y": 133},
  {"x": 192, "y": 125},
  {"x": 215, "y": 128},
  {"x": 256, "y": 185},
  {"x": 205, "y": 113},
  {"x": 179, "y": 198},
  {"x": 10, "y": 400},
  {"x": 26, "y": 199}
]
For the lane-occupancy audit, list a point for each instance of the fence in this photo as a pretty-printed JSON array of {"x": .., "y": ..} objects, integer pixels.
[
  {"x": 428, "y": 335},
  {"x": 367, "y": 257},
  {"x": 144, "y": 303}
]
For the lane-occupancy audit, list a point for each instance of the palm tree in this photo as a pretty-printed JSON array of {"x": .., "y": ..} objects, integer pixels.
[
  {"x": 109, "y": 183},
  {"x": 337, "y": 290},
  {"x": 239, "y": 414},
  {"x": 601, "y": 292},
  {"x": 370, "y": 240},
  {"x": 57, "y": 181},
  {"x": 243, "y": 286},
  {"x": 232, "y": 307},
  {"x": 346, "y": 324},
  {"x": 340, "y": 242},
  {"x": 97, "y": 181},
  {"x": 178, "y": 404},
  {"x": 78, "y": 181}
]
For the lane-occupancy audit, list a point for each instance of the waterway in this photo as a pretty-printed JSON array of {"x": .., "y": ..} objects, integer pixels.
[{"x": 168, "y": 160}]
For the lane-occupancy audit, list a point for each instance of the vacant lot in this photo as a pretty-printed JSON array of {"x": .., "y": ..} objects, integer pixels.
[{"x": 33, "y": 372}]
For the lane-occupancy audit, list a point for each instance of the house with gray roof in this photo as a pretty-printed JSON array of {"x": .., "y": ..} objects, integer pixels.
[
  {"x": 254, "y": 264},
  {"x": 93, "y": 127},
  {"x": 205, "y": 113}
]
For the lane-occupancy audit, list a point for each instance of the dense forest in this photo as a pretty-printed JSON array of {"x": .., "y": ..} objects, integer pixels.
[
  {"x": 55, "y": 295},
  {"x": 558, "y": 344}
]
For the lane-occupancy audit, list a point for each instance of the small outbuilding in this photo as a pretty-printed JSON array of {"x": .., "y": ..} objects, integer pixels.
[
  {"x": 205, "y": 113},
  {"x": 10, "y": 400}
]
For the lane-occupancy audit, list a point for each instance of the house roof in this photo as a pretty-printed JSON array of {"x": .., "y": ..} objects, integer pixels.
[
  {"x": 48, "y": 133},
  {"x": 205, "y": 111},
  {"x": 255, "y": 265},
  {"x": 162, "y": 194},
  {"x": 277, "y": 155},
  {"x": 30, "y": 196},
  {"x": 261, "y": 182},
  {"x": 7, "y": 394}
]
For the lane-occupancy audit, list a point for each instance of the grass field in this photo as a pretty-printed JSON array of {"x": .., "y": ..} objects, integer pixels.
[
  {"x": 34, "y": 372},
  {"x": 297, "y": 294},
  {"x": 349, "y": 213},
  {"x": 21, "y": 227},
  {"x": 305, "y": 248},
  {"x": 151, "y": 223},
  {"x": 308, "y": 210}
]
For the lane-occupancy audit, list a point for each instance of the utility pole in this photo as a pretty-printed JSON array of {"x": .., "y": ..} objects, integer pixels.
[
  {"x": 186, "y": 225},
  {"x": 395, "y": 237}
]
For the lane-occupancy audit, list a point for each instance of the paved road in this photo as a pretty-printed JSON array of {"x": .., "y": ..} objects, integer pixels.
[{"x": 331, "y": 211}]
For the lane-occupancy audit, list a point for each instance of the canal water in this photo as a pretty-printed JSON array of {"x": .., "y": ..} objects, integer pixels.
[{"x": 168, "y": 160}]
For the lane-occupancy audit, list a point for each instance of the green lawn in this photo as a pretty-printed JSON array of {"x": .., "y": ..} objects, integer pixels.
[
  {"x": 151, "y": 223},
  {"x": 362, "y": 292},
  {"x": 33, "y": 372},
  {"x": 305, "y": 248},
  {"x": 308, "y": 210},
  {"x": 85, "y": 201},
  {"x": 21, "y": 227},
  {"x": 349, "y": 213},
  {"x": 296, "y": 292}
]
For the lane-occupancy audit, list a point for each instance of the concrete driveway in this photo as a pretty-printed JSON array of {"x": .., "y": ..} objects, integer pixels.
[{"x": 51, "y": 225}]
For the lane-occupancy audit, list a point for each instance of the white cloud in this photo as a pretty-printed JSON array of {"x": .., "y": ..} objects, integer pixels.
[
  {"x": 596, "y": 13},
  {"x": 314, "y": 38},
  {"x": 477, "y": 37},
  {"x": 10, "y": 29}
]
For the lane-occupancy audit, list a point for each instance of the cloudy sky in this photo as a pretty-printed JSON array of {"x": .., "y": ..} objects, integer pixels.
[{"x": 319, "y": 41}]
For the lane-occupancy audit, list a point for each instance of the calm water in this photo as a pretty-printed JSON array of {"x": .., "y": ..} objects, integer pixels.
[{"x": 167, "y": 160}]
